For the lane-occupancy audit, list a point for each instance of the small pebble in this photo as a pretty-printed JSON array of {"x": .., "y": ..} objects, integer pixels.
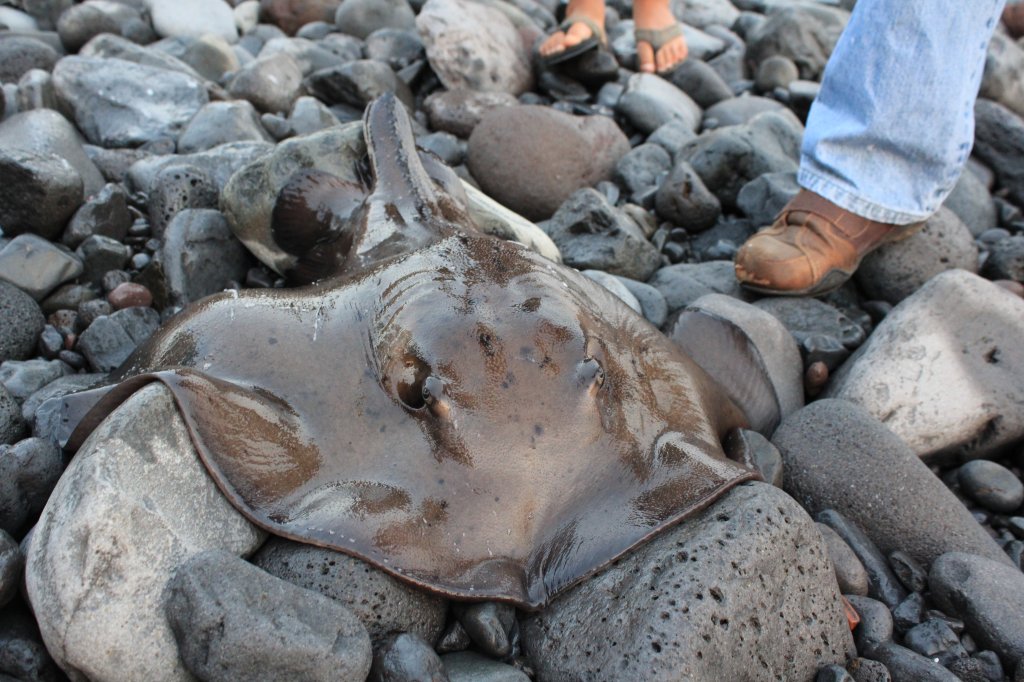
[
  {"x": 935, "y": 640},
  {"x": 909, "y": 612},
  {"x": 908, "y": 571},
  {"x": 50, "y": 342},
  {"x": 406, "y": 657},
  {"x": 991, "y": 485},
  {"x": 129, "y": 295},
  {"x": 833, "y": 673},
  {"x": 815, "y": 378},
  {"x": 875, "y": 623}
]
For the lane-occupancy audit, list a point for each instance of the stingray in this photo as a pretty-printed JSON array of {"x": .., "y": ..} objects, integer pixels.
[{"x": 450, "y": 407}]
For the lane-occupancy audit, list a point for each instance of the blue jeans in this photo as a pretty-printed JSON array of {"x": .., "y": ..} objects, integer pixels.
[{"x": 893, "y": 123}]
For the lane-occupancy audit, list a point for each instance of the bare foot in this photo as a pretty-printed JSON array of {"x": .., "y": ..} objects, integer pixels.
[
  {"x": 656, "y": 15},
  {"x": 559, "y": 41}
]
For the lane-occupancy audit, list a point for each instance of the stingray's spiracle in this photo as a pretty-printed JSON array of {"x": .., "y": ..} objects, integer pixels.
[{"x": 310, "y": 221}]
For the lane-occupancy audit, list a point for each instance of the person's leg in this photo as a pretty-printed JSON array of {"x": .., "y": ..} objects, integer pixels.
[
  {"x": 655, "y": 15},
  {"x": 886, "y": 138},
  {"x": 560, "y": 41}
]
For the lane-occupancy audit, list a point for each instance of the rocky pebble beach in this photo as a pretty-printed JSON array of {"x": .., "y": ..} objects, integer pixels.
[{"x": 142, "y": 145}]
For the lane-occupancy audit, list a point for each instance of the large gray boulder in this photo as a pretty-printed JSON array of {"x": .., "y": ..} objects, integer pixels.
[
  {"x": 134, "y": 504},
  {"x": 838, "y": 456},
  {"x": 739, "y": 591},
  {"x": 945, "y": 369}
]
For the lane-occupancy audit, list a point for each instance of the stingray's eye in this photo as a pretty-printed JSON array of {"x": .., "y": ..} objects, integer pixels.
[
  {"x": 590, "y": 374},
  {"x": 434, "y": 397},
  {"x": 410, "y": 382}
]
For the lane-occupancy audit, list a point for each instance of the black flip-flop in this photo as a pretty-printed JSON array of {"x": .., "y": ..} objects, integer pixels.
[{"x": 597, "y": 39}]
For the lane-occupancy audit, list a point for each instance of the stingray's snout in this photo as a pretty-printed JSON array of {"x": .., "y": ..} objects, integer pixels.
[
  {"x": 590, "y": 375},
  {"x": 418, "y": 388}
]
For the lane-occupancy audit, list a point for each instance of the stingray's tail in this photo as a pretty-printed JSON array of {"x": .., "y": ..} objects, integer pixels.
[{"x": 400, "y": 178}]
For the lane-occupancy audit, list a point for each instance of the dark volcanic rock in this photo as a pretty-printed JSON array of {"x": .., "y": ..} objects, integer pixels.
[
  {"x": 382, "y": 603},
  {"x": 731, "y": 590},
  {"x": 532, "y": 158},
  {"x": 29, "y": 470},
  {"x": 20, "y": 323},
  {"x": 199, "y": 256},
  {"x": 233, "y": 621},
  {"x": 105, "y": 214},
  {"x": 805, "y": 33},
  {"x": 1006, "y": 259},
  {"x": 176, "y": 188},
  {"x": 38, "y": 193},
  {"x": 110, "y": 339},
  {"x": 837, "y": 456},
  {"x": 897, "y": 270},
  {"x": 593, "y": 234},
  {"x": 729, "y": 158},
  {"x": 701, "y": 82},
  {"x": 684, "y": 200},
  {"x": 905, "y": 664}
]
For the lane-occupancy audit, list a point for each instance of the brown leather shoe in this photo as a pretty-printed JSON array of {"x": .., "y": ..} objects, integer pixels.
[
  {"x": 812, "y": 248},
  {"x": 1013, "y": 18}
]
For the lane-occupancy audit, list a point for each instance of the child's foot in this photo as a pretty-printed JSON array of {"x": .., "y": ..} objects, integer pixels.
[
  {"x": 660, "y": 45},
  {"x": 587, "y": 14}
]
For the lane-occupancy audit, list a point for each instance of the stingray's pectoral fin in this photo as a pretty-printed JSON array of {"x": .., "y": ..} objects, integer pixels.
[
  {"x": 725, "y": 352},
  {"x": 311, "y": 220}
]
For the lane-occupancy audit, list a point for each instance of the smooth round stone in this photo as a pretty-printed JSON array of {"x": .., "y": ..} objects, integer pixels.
[
  {"x": 19, "y": 54},
  {"x": 776, "y": 72},
  {"x": 991, "y": 485},
  {"x": 875, "y": 623},
  {"x": 193, "y": 18},
  {"x": 406, "y": 657},
  {"x": 850, "y": 573},
  {"x": 129, "y": 294},
  {"x": 80, "y": 23}
]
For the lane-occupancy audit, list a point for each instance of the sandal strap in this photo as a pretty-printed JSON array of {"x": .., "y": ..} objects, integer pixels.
[
  {"x": 658, "y": 37},
  {"x": 595, "y": 28}
]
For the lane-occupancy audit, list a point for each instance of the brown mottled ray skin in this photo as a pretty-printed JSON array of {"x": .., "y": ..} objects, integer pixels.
[{"x": 454, "y": 409}]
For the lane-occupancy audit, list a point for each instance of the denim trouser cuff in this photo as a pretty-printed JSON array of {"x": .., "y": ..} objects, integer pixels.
[{"x": 825, "y": 187}]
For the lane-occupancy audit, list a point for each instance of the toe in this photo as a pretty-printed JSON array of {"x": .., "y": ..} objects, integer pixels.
[
  {"x": 645, "y": 55},
  {"x": 671, "y": 55},
  {"x": 554, "y": 43},
  {"x": 576, "y": 34}
]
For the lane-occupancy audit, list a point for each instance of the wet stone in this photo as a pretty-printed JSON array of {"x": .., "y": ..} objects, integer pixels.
[
  {"x": 876, "y": 625},
  {"x": 991, "y": 485},
  {"x": 882, "y": 584},
  {"x": 110, "y": 339},
  {"x": 30, "y": 469},
  {"x": 756, "y": 452},
  {"x": 105, "y": 214},
  {"x": 935, "y": 640},
  {"x": 833, "y": 673},
  {"x": 101, "y": 254},
  {"x": 270, "y": 83},
  {"x": 592, "y": 234},
  {"x": 905, "y": 664},
  {"x": 454, "y": 638},
  {"x": 684, "y": 200},
  {"x": 219, "y": 123},
  {"x": 910, "y": 573},
  {"x": 491, "y": 626},
  {"x": 909, "y": 612},
  {"x": 406, "y": 657}
]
